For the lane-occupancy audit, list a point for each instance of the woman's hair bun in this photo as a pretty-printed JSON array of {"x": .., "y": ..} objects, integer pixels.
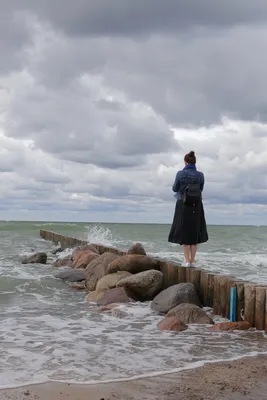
[{"x": 190, "y": 158}]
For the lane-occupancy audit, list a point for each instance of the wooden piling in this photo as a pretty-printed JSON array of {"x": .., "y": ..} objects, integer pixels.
[
  {"x": 163, "y": 266},
  {"x": 213, "y": 289},
  {"x": 216, "y": 295},
  {"x": 181, "y": 272},
  {"x": 260, "y": 301},
  {"x": 194, "y": 278},
  {"x": 172, "y": 273},
  {"x": 250, "y": 299},
  {"x": 225, "y": 283},
  {"x": 206, "y": 288}
]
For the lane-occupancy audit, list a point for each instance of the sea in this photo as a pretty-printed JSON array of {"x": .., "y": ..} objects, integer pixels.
[{"x": 48, "y": 332}]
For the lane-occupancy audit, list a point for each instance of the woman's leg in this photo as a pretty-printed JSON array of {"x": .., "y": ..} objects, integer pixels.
[
  {"x": 187, "y": 253},
  {"x": 193, "y": 250}
]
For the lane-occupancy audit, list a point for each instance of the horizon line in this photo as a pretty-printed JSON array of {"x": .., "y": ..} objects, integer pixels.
[{"x": 121, "y": 223}]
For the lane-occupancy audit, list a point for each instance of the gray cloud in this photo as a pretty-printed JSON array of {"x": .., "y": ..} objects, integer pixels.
[
  {"x": 191, "y": 77},
  {"x": 13, "y": 36},
  {"x": 136, "y": 17},
  {"x": 91, "y": 96}
]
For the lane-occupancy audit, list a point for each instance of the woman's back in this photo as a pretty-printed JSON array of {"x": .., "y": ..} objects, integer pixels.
[
  {"x": 186, "y": 177},
  {"x": 189, "y": 224}
]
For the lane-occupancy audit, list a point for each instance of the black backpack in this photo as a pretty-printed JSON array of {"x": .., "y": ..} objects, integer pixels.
[{"x": 192, "y": 193}]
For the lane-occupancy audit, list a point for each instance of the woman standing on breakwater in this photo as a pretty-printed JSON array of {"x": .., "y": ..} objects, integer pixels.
[{"x": 189, "y": 224}]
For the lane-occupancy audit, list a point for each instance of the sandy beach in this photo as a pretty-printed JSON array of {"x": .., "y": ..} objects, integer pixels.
[{"x": 244, "y": 379}]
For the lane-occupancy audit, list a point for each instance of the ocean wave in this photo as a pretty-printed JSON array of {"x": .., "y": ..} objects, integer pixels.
[
  {"x": 49, "y": 333},
  {"x": 54, "y": 345}
]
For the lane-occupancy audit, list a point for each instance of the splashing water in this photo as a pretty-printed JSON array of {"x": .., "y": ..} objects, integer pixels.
[{"x": 100, "y": 235}]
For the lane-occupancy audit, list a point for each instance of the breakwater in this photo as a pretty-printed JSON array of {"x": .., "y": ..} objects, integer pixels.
[{"x": 214, "y": 289}]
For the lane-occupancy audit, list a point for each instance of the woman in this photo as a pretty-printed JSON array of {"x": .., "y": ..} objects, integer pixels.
[{"x": 189, "y": 225}]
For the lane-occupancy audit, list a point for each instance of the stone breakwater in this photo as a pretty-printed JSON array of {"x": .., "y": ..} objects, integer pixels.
[{"x": 181, "y": 295}]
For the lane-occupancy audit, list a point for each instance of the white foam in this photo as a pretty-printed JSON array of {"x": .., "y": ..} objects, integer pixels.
[
  {"x": 64, "y": 253},
  {"x": 54, "y": 343},
  {"x": 192, "y": 366},
  {"x": 100, "y": 235}
]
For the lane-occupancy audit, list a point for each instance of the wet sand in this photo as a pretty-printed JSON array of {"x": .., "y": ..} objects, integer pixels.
[{"x": 244, "y": 379}]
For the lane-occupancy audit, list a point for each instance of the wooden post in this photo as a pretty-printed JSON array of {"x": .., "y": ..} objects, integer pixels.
[
  {"x": 206, "y": 288},
  {"x": 202, "y": 287},
  {"x": 172, "y": 274},
  {"x": 164, "y": 269},
  {"x": 260, "y": 307},
  {"x": 64, "y": 242},
  {"x": 216, "y": 295},
  {"x": 250, "y": 298},
  {"x": 224, "y": 295},
  {"x": 195, "y": 275},
  {"x": 187, "y": 274},
  {"x": 181, "y": 274}
]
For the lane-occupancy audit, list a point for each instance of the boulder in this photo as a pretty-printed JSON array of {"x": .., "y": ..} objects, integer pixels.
[
  {"x": 133, "y": 263},
  {"x": 97, "y": 269},
  {"x": 63, "y": 262},
  {"x": 143, "y": 286},
  {"x": 94, "y": 296},
  {"x": 37, "y": 258},
  {"x": 231, "y": 326},
  {"x": 117, "y": 295},
  {"x": 172, "y": 324},
  {"x": 104, "y": 284},
  {"x": 190, "y": 314},
  {"x": 71, "y": 275},
  {"x": 107, "y": 249},
  {"x": 110, "y": 281},
  {"x": 83, "y": 257},
  {"x": 79, "y": 249},
  {"x": 137, "y": 248},
  {"x": 173, "y": 296}
]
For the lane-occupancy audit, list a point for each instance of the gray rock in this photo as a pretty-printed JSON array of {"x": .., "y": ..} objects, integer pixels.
[
  {"x": 71, "y": 275},
  {"x": 190, "y": 314},
  {"x": 172, "y": 324},
  {"x": 142, "y": 286},
  {"x": 37, "y": 258},
  {"x": 133, "y": 263},
  {"x": 110, "y": 281},
  {"x": 97, "y": 269},
  {"x": 137, "y": 248},
  {"x": 117, "y": 295},
  {"x": 173, "y": 296}
]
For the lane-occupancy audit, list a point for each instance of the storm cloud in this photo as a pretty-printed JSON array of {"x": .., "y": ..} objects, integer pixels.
[{"x": 100, "y": 101}]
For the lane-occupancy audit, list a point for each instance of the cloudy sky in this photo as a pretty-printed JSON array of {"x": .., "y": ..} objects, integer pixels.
[{"x": 101, "y": 99}]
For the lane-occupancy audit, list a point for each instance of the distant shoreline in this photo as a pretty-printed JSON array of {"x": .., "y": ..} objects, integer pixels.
[{"x": 125, "y": 223}]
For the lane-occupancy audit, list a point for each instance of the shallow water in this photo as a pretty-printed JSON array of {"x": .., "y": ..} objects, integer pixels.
[{"x": 48, "y": 332}]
